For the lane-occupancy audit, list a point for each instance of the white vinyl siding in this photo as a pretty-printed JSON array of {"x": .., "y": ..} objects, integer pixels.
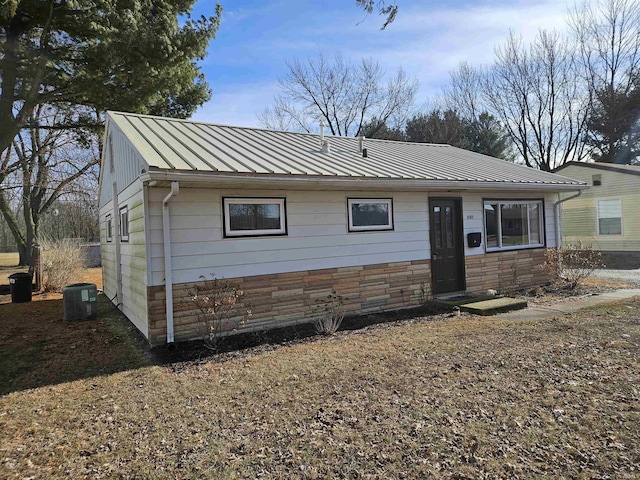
[
  {"x": 133, "y": 258},
  {"x": 610, "y": 217},
  {"x": 317, "y": 233},
  {"x": 122, "y": 164}
]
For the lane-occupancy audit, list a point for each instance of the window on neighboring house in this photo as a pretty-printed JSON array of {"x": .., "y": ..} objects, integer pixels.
[
  {"x": 370, "y": 214},
  {"x": 124, "y": 224},
  {"x": 109, "y": 227},
  {"x": 610, "y": 217},
  {"x": 254, "y": 216},
  {"x": 596, "y": 180},
  {"x": 513, "y": 224}
]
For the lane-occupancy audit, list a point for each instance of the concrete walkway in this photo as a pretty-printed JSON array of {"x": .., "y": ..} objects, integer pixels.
[{"x": 569, "y": 305}]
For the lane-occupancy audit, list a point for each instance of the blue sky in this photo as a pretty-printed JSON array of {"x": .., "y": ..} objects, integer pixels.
[{"x": 427, "y": 39}]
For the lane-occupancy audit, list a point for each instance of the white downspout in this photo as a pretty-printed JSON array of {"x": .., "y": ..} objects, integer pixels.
[
  {"x": 556, "y": 211},
  {"x": 168, "y": 280}
]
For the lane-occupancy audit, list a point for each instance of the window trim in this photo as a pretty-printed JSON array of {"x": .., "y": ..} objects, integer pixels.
[
  {"x": 121, "y": 211},
  {"x": 542, "y": 226},
  {"x": 598, "y": 218},
  {"x": 108, "y": 227},
  {"x": 280, "y": 201},
  {"x": 370, "y": 228}
]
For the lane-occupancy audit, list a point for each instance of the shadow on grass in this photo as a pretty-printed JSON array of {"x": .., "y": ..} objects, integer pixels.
[{"x": 38, "y": 347}]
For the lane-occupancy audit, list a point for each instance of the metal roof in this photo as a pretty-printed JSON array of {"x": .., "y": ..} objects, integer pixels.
[{"x": 168, "y": 144}]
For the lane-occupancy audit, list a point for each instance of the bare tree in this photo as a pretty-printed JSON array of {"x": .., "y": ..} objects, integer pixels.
[
  {"x": 537, "y": 95},
  {"x": 345, "y": 96},
  {"x": 42, "y": 166},
  {"x": 464, "y": 92},
  {"x": 608, "y": 36}
]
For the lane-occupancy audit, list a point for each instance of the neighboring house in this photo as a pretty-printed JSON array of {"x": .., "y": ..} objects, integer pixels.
[
  {"x": 607, "y": 216},
  {"x": 291, "y": 216}
]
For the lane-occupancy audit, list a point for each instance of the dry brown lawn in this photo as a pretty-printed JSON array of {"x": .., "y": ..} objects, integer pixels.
[{"x": 463, "y": 398}]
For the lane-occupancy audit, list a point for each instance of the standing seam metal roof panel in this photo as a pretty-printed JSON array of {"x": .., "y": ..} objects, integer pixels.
[{"x": 169, "y": 144}]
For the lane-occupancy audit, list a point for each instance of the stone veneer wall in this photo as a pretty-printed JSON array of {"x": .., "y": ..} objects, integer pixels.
[
  {"x": 289, "y": 298},
  {"x": 505, "y": 271}
]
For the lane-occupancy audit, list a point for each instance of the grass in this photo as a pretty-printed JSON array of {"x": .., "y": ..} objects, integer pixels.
[
  {"x": 468, "y": 397},
  {"x": 38, "y": 347}
]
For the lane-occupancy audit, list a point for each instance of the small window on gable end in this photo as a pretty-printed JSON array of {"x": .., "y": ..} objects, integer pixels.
[
  {"x": 370, "y": 214},
  {"x": 596, "y": 180},
  {"x": 109, "y": 227},
  {"x": 254, "y": 216},
  {"x": 124, "y": 224}
]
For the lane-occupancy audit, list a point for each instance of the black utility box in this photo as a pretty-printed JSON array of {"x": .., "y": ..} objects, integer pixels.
[{"x": 474, "y": 239}]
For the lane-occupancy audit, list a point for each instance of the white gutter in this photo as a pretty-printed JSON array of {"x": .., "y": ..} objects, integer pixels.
[
  {"x": 337, "y": 183},
  {"x": 556, "y": 211},
  {"x": 168, "y": 280}
]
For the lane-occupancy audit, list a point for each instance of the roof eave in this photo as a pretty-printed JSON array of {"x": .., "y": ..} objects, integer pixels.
[{"x": 273, "y": 181}]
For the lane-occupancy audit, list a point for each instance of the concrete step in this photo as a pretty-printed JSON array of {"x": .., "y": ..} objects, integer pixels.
[{"x": 494, "y": 306}]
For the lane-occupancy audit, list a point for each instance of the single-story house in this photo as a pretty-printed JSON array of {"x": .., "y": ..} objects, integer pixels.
[
  {"x": 607, "y": 215},
  {"x": 292, "y": 216}
]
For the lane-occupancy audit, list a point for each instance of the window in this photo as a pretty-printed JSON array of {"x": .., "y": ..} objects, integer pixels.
[
  {"x": 609, "y": 217},
  {"x": 254, "y": 216},
  {"x": 124, "y": 224},
  {"x": 109, "y": 225},
  {"x": 596, "y": 180},
  {"x": 370, "y": 214},
  {"x": 513, "y": 224}
]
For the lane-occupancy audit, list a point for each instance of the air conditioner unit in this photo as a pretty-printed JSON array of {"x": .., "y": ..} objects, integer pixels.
[{"x": 80, "y": 301}]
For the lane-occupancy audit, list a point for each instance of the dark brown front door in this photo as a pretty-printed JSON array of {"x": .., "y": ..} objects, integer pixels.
[{"x": 447, "y": 248}]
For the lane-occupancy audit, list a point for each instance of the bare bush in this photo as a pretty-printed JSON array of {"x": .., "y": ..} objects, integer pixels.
[
  {"x": 222, "y": 309},
  {"x": 62, "y": 261},
  {"x": 331, "y": 312},
  {"x": 572, "y": 263}
]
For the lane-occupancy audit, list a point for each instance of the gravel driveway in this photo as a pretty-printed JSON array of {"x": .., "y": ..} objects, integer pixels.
[{"x": 627, "y": 275}]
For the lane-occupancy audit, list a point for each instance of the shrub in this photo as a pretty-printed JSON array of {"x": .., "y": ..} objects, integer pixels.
[
  {"x": 572, "y": 263},
  {"x": 62, "y": 261},
  {"x": 222, "y": 309},
  {"x": 331, "y": 312}
]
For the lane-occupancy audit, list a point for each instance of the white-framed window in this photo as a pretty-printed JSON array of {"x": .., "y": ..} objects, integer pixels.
[
  {"x": 610, "y": 217},
  {"x": 109, "y": 227},
  {"x": 370, "y": 214},
  {"x": 124, "y": 224},
  {"x": 254, "y": 216},
  {"x": 513, "y": 224}
]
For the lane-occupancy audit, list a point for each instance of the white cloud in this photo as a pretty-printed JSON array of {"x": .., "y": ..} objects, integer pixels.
[{"x": 426, "y": 41}]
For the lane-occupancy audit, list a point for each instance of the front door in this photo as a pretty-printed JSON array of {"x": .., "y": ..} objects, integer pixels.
[{"x": 447, "y": 248}]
